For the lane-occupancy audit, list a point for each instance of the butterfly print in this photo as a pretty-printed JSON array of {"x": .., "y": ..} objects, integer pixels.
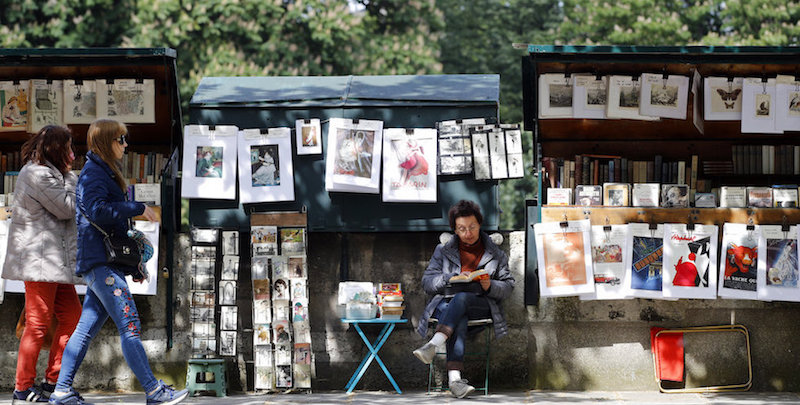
[{"x": 729, "y": 95}]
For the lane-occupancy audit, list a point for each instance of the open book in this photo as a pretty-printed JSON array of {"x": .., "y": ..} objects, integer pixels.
[{"x": 473, "y": 276}]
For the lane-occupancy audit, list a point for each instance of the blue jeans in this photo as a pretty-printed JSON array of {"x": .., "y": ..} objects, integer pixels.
[
  {"x": 108, "y": 295},
  {"x": 453, "y": 316}
]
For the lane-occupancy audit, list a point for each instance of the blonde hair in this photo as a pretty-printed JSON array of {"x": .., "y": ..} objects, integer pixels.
[{"x": 99, "y": 139}]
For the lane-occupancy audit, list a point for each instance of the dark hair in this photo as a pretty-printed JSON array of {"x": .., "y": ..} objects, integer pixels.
[
  {"x": 464, "y": 208},
  {"x": 52, "y": 144}
]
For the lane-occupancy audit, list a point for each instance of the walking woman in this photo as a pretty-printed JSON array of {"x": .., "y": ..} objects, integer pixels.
[
  {"x": 101, "y": 200},
  {"x": 41, "y": 252}
]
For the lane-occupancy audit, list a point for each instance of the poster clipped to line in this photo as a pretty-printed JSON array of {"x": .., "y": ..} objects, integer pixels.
[
  {"x": 690, "y": 261},
  {"x": 209, "y": 162},
  {"x": 353, "y": 159},
  {"x": 266, "y": 172},
  {"x": 409, "y": 165},
  {"x": 722, "y": 98},
  {"x": 644, "y": 254},
  {"x": 778, "y": 271},
  {"x": 14, "y": 102},
  {"x": 608, "y": 265},
  {"x": 309, "y": 136},
  {"x": 738, "y": 262},
  {"x": 127, "y": 100},
  {"x": 566, "y": 258},
  {"x": 80, "y": 101}
]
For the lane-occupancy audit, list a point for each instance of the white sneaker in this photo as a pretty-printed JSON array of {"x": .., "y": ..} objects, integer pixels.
[
  {"x": 461, "y": 388},
  {"x": 426, "y": 352}
]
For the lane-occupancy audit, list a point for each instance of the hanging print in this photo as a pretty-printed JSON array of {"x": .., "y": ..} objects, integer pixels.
[
  {"x": 722, "y": 98},
  {"x": 209, "y": 162},
  {"x": 778, "y": 271},
  {"x": 409, "y": 165},
  {"x": 127, "y": 100},
  {"x": 46, "y": 104},
  {"x": 266, "y": 172},
  {"x": 309, "y": 136},
  {"x": 644, "y": 254},
  {"x": 80, "y": 101},
  {"x": 14, "y": 104},
  {"x": 758, "y": 106},
  {"x": 738, "y": 262},
  {"x": 354, "y": 155},
  {"x": 608, "y": 243},
  {"x": 566, "y": 258},
  {"x": 690, "y": 261}
]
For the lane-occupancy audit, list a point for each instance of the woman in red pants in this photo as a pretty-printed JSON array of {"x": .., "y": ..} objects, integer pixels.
[{"x": 41, "y": 252}]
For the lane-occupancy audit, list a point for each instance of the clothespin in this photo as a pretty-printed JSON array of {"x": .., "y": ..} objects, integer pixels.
[
  {"x": 564, "y": 224},
  {"x": 785, "y": 227},
  {"x": 307, "y": 121},
  {"x": 607, "y": 229},
  {"x": 751, "y": 227}
]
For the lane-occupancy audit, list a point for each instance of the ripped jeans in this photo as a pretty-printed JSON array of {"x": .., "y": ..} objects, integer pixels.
[{"x": 108, "y": 295}]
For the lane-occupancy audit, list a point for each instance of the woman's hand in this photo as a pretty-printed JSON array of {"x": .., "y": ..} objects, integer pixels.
[
  {"x": 150, "y": 214},
  {"x": 485, "y": 283}
]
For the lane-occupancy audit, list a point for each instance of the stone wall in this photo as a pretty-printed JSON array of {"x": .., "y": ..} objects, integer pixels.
[{"x": 561, "y": 344}]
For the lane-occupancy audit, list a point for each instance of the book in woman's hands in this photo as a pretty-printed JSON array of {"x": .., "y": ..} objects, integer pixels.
[{"x": 468, "y": 277}]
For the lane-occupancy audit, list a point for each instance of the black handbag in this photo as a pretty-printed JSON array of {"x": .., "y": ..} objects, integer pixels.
[{"x": 122, "y": 252}]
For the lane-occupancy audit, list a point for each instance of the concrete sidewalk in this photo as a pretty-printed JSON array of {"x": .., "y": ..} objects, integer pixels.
[{"x": 416, "y": 398}]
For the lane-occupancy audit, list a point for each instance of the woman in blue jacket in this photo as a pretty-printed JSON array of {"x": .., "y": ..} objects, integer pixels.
[{"x": 101, "y": 199}]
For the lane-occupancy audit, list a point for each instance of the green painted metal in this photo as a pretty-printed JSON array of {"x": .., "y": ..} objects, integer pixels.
[
  {"x": 88, "y": 52},
  {"x": 398, "y": 101},
  {"x": 693, "y": 50}
]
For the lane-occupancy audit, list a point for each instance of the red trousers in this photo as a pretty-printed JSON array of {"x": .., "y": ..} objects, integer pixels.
[{"x": 42, "y": 302}]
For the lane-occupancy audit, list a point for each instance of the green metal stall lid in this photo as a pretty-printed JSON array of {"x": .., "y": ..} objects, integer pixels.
[
  {"x": 101, "y": 52},
  {"x": 346, "y": 91},
  {"x": 752, "y": 50}
]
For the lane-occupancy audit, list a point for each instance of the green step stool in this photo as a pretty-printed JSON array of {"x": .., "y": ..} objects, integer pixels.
[{"x": 206, "y": 375}]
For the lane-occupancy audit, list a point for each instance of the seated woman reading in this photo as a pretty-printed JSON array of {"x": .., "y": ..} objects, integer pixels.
[{"x": 469, "y": 251}]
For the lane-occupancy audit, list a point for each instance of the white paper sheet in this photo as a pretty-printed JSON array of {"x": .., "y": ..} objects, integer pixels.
[
  {"x": 644, "y": 253},
  {"x": 738, "y": 262},
  {"x": 409, "y": 165},
  {"x": 623, "y": 98},
  {"x": 555, "y": 96},
  {"x": 565, "y": 258},
  {"x": 266, "y": 172},
  {"x": 127, "y": 100},
  {"x": 666, "y": 98},
  {"x": 353, "y": 159},
  {"x": 608, "y": 263},
  {"x": 722, "y": 98},
  {"x": 209, "y": 162},
  {"x": 80, "y": 101},
  {"x": 787, "y": 106},
  {"x": 758, "y": 106},
  {"x": 589, "y": 97},
  {"x": 778, "y": 271},
  {"x": 309, "y": 136},
  {"x": 690, "y": 261}
]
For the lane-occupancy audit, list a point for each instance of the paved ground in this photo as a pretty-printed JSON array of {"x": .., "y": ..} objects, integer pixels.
[{"x": 416, "y": 398}]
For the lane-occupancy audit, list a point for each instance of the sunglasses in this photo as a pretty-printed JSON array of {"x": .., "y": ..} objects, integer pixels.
[{"x": 122, "y": 139}]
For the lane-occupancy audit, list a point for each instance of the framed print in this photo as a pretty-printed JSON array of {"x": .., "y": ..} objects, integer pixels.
[
  {"x": 409, "y": 165},
  {"x": 228, "y": 317},
  {"x": 280, "y": 289},
  {"x": 259, "y": 266},
  {"x": 293, "y": 241},
  {"x": 664, "y": 97},
  {"x": 262, "y": 355},
  {"x": 722, "y": 98},
  {"x": 777, "y": 264},
  {"x": 302, "y": 332},
  {"x": 264, "y": 240},
  {"x": 308, "y": 133},
  {"x": 80, "y": 101},
  {"x": 645, "y": 194},
  {"x": 514, "y": 152},
  {"x": 127, "y": 100},
  {"x": 555, "y": 95},
  {"x": 46, "y": 104},
  {"x": 227, "y": 343},
  {"x": 14, "y": 105},
  {"x": 644, "y": 254},
  {"x": 616, "y": 194},
  {"x": 262, "y": 309},
  {"x": 261, "y": 334},
  {"x": 281, "y": 332},
  {"x": 300, "y": 310},
  {"x": 758, "y": 106},
  {"x": 282, "y": 308},
  {"x": 265, "y": 378},
  {"x": 266, "y": 173},
  {"x": 675, "y": 196},
  {"x": 690, "y": 261},
  {"x": 589, "y": 96},
  {"x": 354, "y": 155},
  {"x": 787, "y": 103},
  {"x": 283, "y": 376},
  {"x": 227, "y": 292},
  {"x": 209, "y": 162},
  {"x": 608, "y": 265},
  {"x": 298, "y": 288},
  {"x": 624, "y": 93},
  {"x": 565, "y": 262},
  {"x": 302, "y": 365},
  {"x": 738, "y": 262},
  {"x": 230, "y": 243},
  {"x": 230, "y": 268},
  {"x": 480, "y": 155},
  {"x": 297, "y": 266},
  {"x": 283, "y": 354}
]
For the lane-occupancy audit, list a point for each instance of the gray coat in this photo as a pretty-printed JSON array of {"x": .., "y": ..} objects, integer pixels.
[
  {"x": 446, "y": 263},
  {"x": 42, "y": 237}
]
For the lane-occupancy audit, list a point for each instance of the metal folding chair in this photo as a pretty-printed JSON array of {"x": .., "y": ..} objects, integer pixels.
[
  {"x": 487, "y": 323},
  {"x": 668, "y": 357}
]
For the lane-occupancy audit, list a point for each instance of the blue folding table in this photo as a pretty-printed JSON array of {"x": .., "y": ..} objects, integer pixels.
[{"x": 388, "y": 327}]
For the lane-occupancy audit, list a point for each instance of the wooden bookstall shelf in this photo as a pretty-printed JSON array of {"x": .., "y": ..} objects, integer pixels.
[
  {"x": 674, "y": 140},
  {"x": 708, "y": 216}
]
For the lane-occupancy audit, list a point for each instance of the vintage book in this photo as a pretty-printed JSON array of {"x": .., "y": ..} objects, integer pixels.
[
  {"x": 645, "y": 194},
  {"x": 650, "y": 174},
  {"x": 784, "y": 196},
  {"x": 587, "y": 170},
  {"x": 624, "y": 170},
  {"x": 796, "y": 159},
  {"x": 578, "y": 170},
  {"x": 681, "y": 172},
  {"x": 559, "y": 196},
  {"x": 759, "y": 197},
  {"x": 705, "y": 200},
  {"x": 767, "y": 161},
  {"x": 732, "y": 197},
  {"x": 616, "y": 194},
  {"x": 588, "y": 195},
  {"x": 658, "y": 169},
  {"x": 675, "y": 196},
  {"x": 693, "y": 183},
  {"x": 472, "y": 276}
]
